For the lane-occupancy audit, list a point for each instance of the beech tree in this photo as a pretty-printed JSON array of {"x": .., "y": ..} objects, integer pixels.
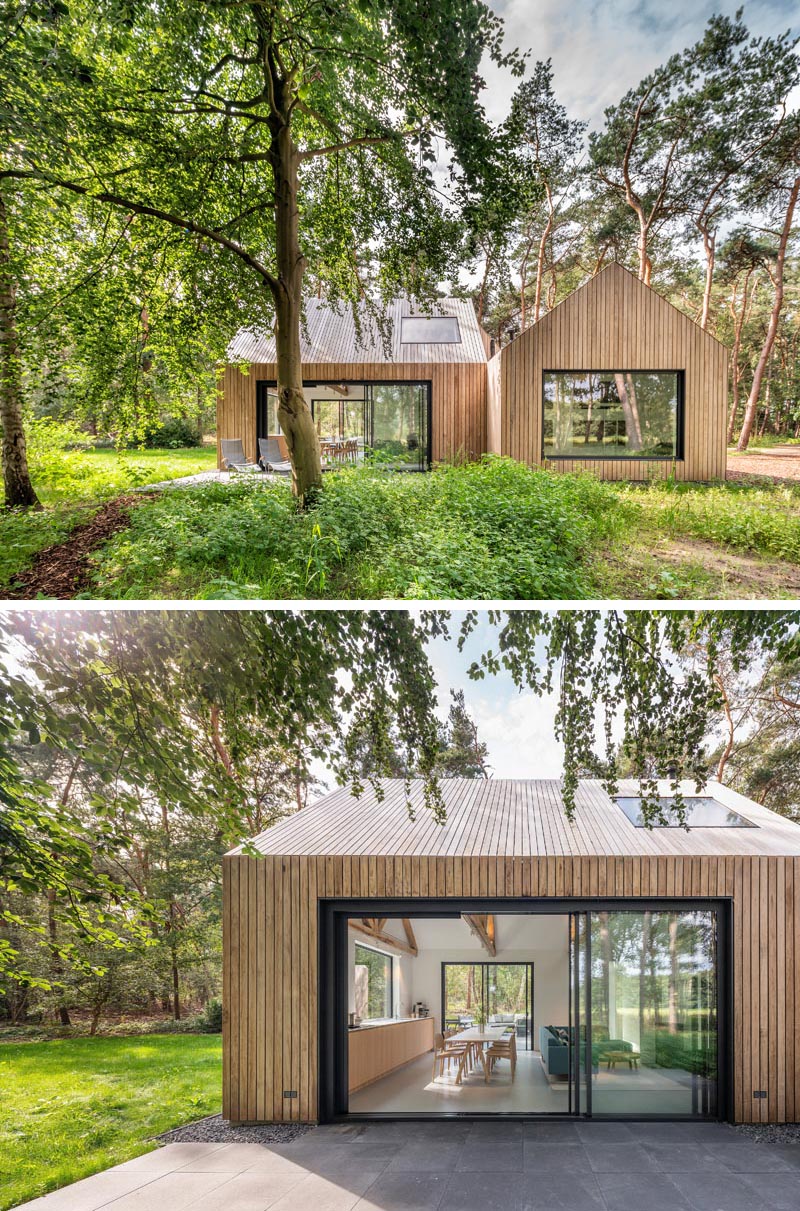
[{"x": 230, "y": 122}]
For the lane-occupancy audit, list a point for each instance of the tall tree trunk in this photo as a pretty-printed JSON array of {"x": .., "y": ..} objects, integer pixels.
[
  {"x": 645, "y": 264},
  {"x": 537, "y": 305},
  {"x": 774, "y": 320},
  {"x": 630, "y": 410},
  {"x": 56, "y": 966},
  {"x": 176, "y": 999},
  {"x": 739, "y": 320},
  {"x": 19, "y": 491},
  {"x": 710, "y": 248},
  {"x": 294, "y": 413}
]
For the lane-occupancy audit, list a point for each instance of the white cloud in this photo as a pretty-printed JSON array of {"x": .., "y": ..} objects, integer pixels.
[{"x": 601, "y": 48}]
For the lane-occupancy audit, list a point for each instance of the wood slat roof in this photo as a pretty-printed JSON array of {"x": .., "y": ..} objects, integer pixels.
[
  {"x": 500, "y": 817},
  {"x": 330, "y": 335}
]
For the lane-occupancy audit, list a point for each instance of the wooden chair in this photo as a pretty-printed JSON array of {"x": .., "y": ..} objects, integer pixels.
[
  {"x": 504, "y": 1049},
  {"x": 444, "y": 1051}
]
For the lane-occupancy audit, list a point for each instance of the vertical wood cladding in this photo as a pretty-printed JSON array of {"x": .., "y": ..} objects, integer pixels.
[
  {"x": 458, "y": 400},
  {"x": 270, "y": 956},
  {"x": 614, "y": 322}
]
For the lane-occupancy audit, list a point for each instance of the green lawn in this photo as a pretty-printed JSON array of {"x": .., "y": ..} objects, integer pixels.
[
  {"x": 72, "y": 484},
  {"x": 72, "y": 1107}
]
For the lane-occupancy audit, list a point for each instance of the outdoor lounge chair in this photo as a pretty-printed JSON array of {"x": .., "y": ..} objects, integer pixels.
[
  {"x": 271, "y": 458},
  {"x": 234, "y": 457}
]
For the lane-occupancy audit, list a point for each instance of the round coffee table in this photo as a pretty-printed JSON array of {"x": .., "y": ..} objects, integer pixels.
[{"x": 613, "y": 1058}]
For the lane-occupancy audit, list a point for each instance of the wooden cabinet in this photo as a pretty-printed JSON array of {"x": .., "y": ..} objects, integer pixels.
[{"x": 378, "y": 1050}]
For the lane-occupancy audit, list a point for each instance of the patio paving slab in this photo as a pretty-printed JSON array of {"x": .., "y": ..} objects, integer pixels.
[
  {"x": 715, "y": 1191},
  {"x": 404, "y": 1192},
  {"x": 417, "y": 1166},
  {"x": 636, "y": 1191}
]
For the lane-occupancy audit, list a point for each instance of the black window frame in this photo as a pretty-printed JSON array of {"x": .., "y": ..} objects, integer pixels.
[
  {"x": 333, "y": 915},
  {"x": 677, "y": 457},
  {"x": 483, "y": 964},
  {"x": 266, "y": 385}
]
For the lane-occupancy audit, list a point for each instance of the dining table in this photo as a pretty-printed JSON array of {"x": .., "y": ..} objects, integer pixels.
[{"x": 477, "y": 1037}]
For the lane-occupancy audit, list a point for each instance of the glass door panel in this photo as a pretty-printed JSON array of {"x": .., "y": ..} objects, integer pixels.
[
  {"x": 398, "y": 424},
  {"x": 326, "y": 418},
  {"x": 509, "y": 998},
  {"x": 653, "y": 1013},
  {"x": 462, "y": 994}
]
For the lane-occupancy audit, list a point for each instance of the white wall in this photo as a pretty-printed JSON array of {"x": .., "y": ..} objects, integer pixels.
[{"x": 542, "y": 940}]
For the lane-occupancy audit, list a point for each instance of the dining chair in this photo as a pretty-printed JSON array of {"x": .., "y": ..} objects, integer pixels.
[
  {"x": 443, "y": 1052},
  {"x": 504, "y": 1049}
]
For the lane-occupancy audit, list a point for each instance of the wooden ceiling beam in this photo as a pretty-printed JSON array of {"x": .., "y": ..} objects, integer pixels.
[
  {"x": 412, "y": 941},
  {"x": 478, "y": 923},
  {"x": 379, "y": 936}
]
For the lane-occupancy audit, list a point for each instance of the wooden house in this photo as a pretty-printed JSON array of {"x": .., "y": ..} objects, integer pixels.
[
  {"x": 614, "y": 380},
  {"x": 635, "y": 972},
  {"x": 413, "y": 391}
]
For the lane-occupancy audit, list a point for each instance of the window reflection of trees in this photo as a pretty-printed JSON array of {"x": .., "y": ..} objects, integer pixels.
[{"x": 630, "y": 413}]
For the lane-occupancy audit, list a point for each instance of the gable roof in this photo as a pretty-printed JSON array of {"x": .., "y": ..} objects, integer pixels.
[
  {"x": 600, "y": 282},
  {"x": 329, "y": 335},
  {"x": 514, "y": 818}
]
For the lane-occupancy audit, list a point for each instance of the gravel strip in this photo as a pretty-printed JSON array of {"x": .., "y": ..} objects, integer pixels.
[
  {"x": 215, "y": 1130},
  {"x": 771, "y": 1133}
]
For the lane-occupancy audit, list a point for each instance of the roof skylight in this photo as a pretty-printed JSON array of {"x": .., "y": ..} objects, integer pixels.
[
  {"x": 429, "y": 330},
  {"x": 702, "y": 811}
]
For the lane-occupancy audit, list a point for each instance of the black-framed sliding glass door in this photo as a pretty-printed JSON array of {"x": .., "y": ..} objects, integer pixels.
[
  {"x": 490, "y": 993},
  {"x": 644, "y": 1013},
  {"x": 390, "y": 421}
]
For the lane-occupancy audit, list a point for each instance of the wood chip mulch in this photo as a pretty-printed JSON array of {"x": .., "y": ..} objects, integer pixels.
[
  {"x": 781, "y": 464},
  {"x": 64, "y": 569}
]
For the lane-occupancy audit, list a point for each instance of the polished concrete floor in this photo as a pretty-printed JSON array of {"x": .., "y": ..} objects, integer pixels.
[
  {"x": 412, "y": 1089},
  {"x": 447, "y": 1166}
]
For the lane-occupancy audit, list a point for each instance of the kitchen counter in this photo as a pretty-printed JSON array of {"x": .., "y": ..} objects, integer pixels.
[
  {"x": 378, "y": 1048},
  {"x": 375, "y": 1022}
]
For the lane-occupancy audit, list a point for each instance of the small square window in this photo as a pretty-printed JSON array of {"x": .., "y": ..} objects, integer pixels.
[
  {"x": 429, "y": 330},
  {"x": 702, "y": 811}
]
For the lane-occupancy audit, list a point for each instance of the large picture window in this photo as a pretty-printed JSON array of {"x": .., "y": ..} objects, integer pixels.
[{"x": 612, "y": 413}]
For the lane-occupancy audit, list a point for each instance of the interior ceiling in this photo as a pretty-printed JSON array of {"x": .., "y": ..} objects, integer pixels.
[{"x": 512, "y": 932}]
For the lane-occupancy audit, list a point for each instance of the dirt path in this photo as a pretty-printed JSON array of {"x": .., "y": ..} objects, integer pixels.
[
  {"x": 63, "y": 570},
  {"x": 780, "y": 463}
]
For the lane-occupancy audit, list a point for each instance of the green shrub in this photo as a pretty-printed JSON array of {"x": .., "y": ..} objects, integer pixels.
[
  {"x": 210, "y": 1020},
  {"x": 493, "y": 529},
  {"x": 174, "y": 434}
]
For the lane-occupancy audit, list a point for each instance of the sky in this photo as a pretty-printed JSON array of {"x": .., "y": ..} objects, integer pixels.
[
  {"x": 601, "y": 48},
  {"x": 516, "y": 726}
]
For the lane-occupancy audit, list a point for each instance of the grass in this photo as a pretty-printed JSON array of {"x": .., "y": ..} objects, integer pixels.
[
  {"x": 704, "y": 540},
  {"x": 488, "y": 530},
  {"x": 75, "y": 1106},
  {"x": 492, "y": 529},
  {"x": 72, "y": 484},
  {"x": 765, "y": 442}
]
